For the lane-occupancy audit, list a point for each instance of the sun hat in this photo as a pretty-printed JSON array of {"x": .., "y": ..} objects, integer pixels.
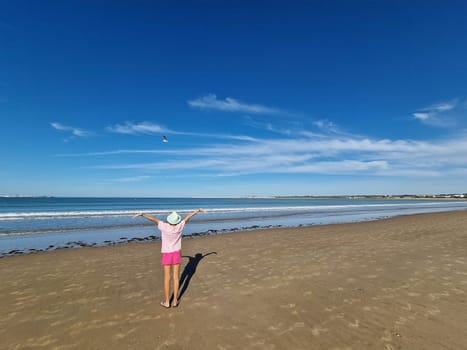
[{"x": 174, "y": 218}]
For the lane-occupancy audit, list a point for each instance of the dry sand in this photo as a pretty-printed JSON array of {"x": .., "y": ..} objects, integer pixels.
[{"x": 399, "y": 283}]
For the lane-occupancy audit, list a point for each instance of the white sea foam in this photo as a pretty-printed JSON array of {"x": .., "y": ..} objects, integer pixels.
[
  {"x": 47, "y": 215},
  {"x": 40, "y": 227}
]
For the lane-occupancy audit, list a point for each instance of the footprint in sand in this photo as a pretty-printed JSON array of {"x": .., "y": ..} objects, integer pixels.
[
  {"x": 330, "y": 309},
  {"x": 370, "y": 308},
  {"x": 387, "y": 336},
  {"x": 317, "y": 330},
  {"x": 407, "y": 308},
  {"x": 290, "y": 306},
  {"x": 434, "y": 311},
  {"x": 401, "y": 321},
  {"x": 436, "y": 296},
  {"x": 352, "y": 301},
  {"x": 457, "y": 291}
]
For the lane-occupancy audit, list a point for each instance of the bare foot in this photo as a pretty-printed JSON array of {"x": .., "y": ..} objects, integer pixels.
[{"x": 165, "y": 304}]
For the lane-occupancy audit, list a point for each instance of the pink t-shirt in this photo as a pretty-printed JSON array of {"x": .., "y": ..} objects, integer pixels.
[{"x": 171, "y": 236}]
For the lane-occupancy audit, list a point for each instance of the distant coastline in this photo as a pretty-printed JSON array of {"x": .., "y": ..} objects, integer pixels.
[
  {"x": 22, "y": 196},
  {"x": 402, "y": 196},
  {"x": 363, "y": 196},
  {"x": 376, "y": 196}
]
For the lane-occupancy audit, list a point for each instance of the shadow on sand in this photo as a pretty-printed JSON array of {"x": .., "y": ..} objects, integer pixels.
[{"x": 190, "y": 270}]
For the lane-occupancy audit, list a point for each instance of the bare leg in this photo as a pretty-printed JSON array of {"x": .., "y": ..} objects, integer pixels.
[
  {"x": 167, "y": 285},
  {"x": 176, "y": 277}
]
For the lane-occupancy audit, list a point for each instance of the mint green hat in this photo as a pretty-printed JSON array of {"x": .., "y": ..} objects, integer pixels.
[{"x": 174, "y": 218}]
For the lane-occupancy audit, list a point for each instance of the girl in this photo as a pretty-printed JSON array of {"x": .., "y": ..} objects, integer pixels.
[{"x": 171, "y": 235}]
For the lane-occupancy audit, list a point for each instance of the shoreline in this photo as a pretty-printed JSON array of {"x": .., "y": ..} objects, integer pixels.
[
  {"x": 67, "y": 222},
  {"x": 387, "y": 284},
  {"x": 126, "y": 240},
  {"x": 122, "y": 240}
]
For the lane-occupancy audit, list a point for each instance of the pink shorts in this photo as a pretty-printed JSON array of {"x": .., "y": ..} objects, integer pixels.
[{"x": 172, "y": 258}]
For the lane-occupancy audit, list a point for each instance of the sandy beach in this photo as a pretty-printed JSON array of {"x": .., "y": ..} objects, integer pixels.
[{"x": 399, "y": 283}]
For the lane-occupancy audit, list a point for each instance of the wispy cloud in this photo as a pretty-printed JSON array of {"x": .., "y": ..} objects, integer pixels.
[
  {"x": 149, "y": 128},
  {"x": 330, "y": 155},
  {"x": 325, "y": 125},
  {"x": 439, "y": 115},
  {"x": 229, "y": 104},
  {"x": 133, "y": 178},
  {"x": 137, "y": 128},
  {"x": 72, "y": 131},
  {"x": 321, "y": 128},
  {"x": 306, "y": 147}
]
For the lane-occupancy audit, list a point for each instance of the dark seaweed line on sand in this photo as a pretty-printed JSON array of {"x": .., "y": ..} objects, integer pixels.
[{"x": 125, "y": 240}]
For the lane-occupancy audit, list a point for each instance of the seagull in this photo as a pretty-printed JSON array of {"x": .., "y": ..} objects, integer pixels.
[{"x": 165, "y": 139}]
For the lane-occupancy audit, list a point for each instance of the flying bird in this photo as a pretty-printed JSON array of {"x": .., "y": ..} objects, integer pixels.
[{"x": 165, "y": 139}]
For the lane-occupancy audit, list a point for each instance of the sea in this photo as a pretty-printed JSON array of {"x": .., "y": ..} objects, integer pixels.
[{"x": 30, "y": 225}]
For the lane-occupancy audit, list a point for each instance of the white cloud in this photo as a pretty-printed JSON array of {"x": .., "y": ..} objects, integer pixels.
[
  {"x": 137, "y": 128},
  {"x": 75, "y": 132},
  {"x": 299, "y": 127},
  {"x": 133, "y": 178},
  {"x": 230, "y": 104},
  {"x": 297, "y": 151},
  {"x": 439, "y": 115},
  {"x": 421, "y": 116},
  {"x": 443, "y": 106},
  {"x": 325, "y": 125},
  {"x": 329, "y": 155},
  {"x": 149, "y": 128},
  {"x": 267, "y": 126}
]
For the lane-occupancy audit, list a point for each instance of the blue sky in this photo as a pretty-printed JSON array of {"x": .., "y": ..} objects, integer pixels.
[{"x": 255, "y": 97}]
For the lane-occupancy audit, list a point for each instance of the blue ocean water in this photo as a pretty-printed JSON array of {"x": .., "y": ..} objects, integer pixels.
[{"x": 28, "y": 224}]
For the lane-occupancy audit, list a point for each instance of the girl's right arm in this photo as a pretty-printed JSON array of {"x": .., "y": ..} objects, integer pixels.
[{"x": 148, "y": 217}]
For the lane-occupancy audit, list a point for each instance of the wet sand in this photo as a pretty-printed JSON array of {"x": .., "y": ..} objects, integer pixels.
[{"x": 399, "y": 283}]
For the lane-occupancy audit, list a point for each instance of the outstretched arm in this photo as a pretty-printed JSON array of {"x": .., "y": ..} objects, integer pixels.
[
  {"x": 193, "y": 213},
  {"x": 148, "y": 217},
  {"x": 209, "y": 254}
]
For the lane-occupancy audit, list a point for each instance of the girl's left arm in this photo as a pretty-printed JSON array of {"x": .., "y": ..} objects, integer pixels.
[{"x": 193, "y": 213}]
